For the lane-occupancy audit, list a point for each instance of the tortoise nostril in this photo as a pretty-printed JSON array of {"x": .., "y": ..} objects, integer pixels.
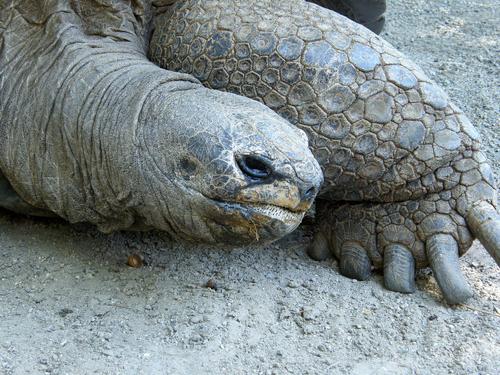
[
  {"x": 255, "y": 167},
  {"x": 309, "y": 194}
]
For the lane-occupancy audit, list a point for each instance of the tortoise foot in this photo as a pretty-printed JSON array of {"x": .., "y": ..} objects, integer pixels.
[{"x": 400, "y": 237}]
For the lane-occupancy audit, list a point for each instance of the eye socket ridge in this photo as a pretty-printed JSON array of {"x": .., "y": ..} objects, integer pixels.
[{"x": 255, "y": 166}]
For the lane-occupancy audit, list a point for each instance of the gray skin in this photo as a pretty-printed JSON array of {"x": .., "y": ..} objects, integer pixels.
[{"x": 94, "y": 132}]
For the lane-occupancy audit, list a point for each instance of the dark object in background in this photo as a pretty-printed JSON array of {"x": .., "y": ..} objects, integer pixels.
[{"x": 369, "y": 13}]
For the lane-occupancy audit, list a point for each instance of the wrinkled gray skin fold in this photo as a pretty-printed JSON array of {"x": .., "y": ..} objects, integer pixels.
[{"x": 92, "y": 131}]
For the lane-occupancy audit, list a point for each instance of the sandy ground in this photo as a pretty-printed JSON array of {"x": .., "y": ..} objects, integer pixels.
[{"x": 70, "y": 305}]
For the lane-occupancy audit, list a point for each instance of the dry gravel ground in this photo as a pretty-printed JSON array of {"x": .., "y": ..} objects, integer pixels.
[{"x": 70, "y": 305}]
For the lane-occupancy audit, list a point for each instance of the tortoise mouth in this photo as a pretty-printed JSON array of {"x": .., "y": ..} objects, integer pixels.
[
  {"x": 260, "y": 214},
  {"x": 271, "y": 211}
]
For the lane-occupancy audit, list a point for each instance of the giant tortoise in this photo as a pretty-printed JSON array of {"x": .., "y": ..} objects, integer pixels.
[{"x": 113, "y": 112}]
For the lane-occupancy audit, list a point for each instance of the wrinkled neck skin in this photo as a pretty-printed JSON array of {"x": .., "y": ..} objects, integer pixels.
[
  {"x": 94, "y": 132},
  {"x": 61, "y": 102}
]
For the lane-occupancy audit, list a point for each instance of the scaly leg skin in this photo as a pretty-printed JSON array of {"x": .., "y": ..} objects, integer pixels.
[
  {"x": 386, "y": 136},
  {"x": 398, "y": 238},
  {"x": 401, "y": 236}
]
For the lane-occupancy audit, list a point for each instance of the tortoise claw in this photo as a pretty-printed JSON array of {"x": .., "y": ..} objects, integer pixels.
[
  {"x": 319, "y": 249},
  {"x": 399, "y": 269},
  {"x": 442, "y": 252},
  {"x": 354, "y": 261},
  {"x": 484, "y": 223}
]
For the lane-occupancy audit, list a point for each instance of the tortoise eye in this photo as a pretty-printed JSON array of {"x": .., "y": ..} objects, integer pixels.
[{"x": 255, "y": 167}]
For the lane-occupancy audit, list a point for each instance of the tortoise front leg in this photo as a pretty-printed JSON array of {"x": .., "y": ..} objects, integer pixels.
[
  {"x": 397, "y": 238},
  {"x": 402, "y": 236}
]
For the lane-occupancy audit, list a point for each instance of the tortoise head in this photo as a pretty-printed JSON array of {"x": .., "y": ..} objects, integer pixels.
[{"x": 223, "y": 168}]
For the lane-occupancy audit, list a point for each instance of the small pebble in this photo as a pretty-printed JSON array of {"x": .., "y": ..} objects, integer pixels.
[
  {"x": 211, "y": 284},
  {"x": 293, "y": 284},
  {"x": 64, "y": 312},
  {"x": 135, "y": 261}
]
